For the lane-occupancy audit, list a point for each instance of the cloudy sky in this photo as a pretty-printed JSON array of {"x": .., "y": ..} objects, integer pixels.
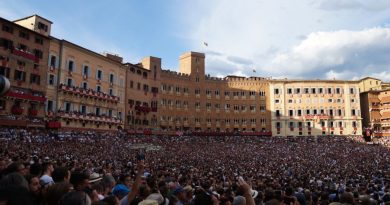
[{"x": 326, "y": 39}]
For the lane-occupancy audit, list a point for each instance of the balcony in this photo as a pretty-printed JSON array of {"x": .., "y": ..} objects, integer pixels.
[
  {"x": 25, "y": 54},
  {"x": 17, "y": 110},
  {"x": 32, "y": 112},
  {"x": 88, "y": 93},
  {"x": 25, "y": 96},
  {"x": 143, "y": 108},
  {"x": 89, "y": 117}
]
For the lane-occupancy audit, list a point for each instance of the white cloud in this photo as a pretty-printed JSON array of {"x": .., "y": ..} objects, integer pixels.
[
  {"x": 299, "y": 39},
  {"x": 338, "y": 54}
]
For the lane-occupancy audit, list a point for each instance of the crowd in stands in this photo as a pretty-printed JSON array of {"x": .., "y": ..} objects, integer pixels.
[{"x": 40, "y": 167}]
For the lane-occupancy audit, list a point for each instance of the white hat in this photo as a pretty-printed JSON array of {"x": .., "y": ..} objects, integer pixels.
[{"x": 148, "y": 202}]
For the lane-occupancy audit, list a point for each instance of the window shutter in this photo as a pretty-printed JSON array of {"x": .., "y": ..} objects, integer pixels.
[
  {"x": 57, "y": 62},
  {"x": 48, "y": 60}
]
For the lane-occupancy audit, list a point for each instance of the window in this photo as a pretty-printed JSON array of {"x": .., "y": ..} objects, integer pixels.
[
  {"x": 330, "y": 100},
  {"x": 299, "y": 112},
  {"x": 42, "y": 26},
  {"x": 35, "y": 79},
  {"x": 353, "y": 112},
  {"x": 290, "y": 101},
  {"x": 70, "y": 66},
  {"x": 308, "y": 112},
  {"x": 340, "y": 124},
  {"x": 97, "y": 111},
  {"x": 39, "y": 40},
  {"x": 38, "y": 53},
  {"x": 227, "y": 93},
  {"x": 277, "y": 101},
  {"x": 2, "y": 104},
  {"x": 339, "y": 112},
  {"x": 197, "y": 92},
  {"x": 320, "y": 90},
  {"x": 306, "y": 90},
  {"x": 20, "y": 75},
  {"x": 69, "y": 82},
  {"x": 277, "y": 113},
  {"x": 330, "y": 112},
  {"x": 308, "y": 124},
  {"x": 98, "y": 88},
  {"x": 291, "y": 113},
  {"x": 111, "y": 92},
  {"x": 131, "y": 84},
  {"x": 67, "y": 106},
  {"x": 85, "y": 71},
  {"x": 298, "y": 91},
  {"x": 7, "y": 28},
  {"x": 291, "y": 124},
  {"x": 313, "y": 90},
  {"x": 330, "y": 91},
  {"x": 338, "y": 90},
  {"x": 289, "y": 91},
  {"x": 24, "y": 35},
  {"x": 83, "y": 109},
  {"x": 262, "y": 93},
  {"x": 352, "y": 91},
  {"x": 139, "y": 86},
  {"x": 6, "y": 44},
  {"x": 354, "y": 124},
  {"x": 112, "y": 78},
  {"x": 278, "y": 125},
  {"x": 85, "y": 85},
  {"x": 276, "y": 91},
  {"x": 52, "y": 62},
  {"x": 99, "y": 75},
  {"x": 50, "y": 106}
]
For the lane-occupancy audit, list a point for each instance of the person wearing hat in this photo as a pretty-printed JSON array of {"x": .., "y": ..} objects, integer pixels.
[
  {"x": 120, "y": 191},
  {"x": 180, "y": 195}
]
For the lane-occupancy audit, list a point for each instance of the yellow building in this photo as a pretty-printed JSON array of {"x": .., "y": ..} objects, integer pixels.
[
  {"x": 315, "y": 107},
  {"x": 23, "y": 57},
  {"x": 85, "y": 89}
]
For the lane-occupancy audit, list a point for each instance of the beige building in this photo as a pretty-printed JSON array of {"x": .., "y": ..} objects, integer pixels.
[
  {"x": 23, "y": 57},
  {"x": 315, "y": 107},
  {"x": 85, "y": 89}
]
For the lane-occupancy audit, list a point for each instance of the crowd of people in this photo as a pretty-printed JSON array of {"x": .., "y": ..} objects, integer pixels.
[{"x": 39, "y": 167}]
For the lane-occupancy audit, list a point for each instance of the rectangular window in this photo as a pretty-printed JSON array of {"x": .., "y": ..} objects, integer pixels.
[
  {"x": 20, "y": 75},
  {"x": 86, "y": 71},
  {"x": 69, "y": 82},
  {"x": 39, "y": 40},
  {"x": 35, "y": 79},
  {"x": 98, "y": 88},
  {"x": 289, "y": 91},
  {"x": 99, "y": 75},
  {"x": 50, "y": 106},
  {"x": 111, "y": 78},
  {"x": 67, "y": 106},
  {"x": 298, "y": 91},
  {"x": 276, "y": 91},
  {"x": 306, "y": 90},
  {"x": 8, "y": 28},
  {"x": 24, "y": 35},
  {"x": 70, "y": 66}
]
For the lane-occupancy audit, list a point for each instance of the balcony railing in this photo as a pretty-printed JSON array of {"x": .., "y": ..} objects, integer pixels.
[
  {"x": 25, "y": 54},
  {"x": 26, "y": 96},
  {"x": 88, "y": 93},
  {"x": 17, "y": 110},
  {"x": 89, "y": 117}
]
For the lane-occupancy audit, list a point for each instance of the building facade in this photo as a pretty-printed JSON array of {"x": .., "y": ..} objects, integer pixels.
[
  {"x": 71, "y": 87},
  {"x": 23, "y": 56},
  {"x": 375, "y": 106},
  {"x": 315, "y": 107},
  {"x": 85, "y": 90}
]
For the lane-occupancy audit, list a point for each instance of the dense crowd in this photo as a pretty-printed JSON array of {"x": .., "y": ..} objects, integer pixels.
[{"x": 38, "y": 167}]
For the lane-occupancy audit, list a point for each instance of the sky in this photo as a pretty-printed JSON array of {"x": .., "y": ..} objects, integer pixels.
[{"x": 300, "y": 39}]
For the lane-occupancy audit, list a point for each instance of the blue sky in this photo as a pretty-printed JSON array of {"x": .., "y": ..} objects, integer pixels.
[{"x": 342, "y": 39}]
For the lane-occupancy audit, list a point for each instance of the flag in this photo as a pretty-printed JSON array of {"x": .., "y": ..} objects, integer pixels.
[
  {"x": 254, "y": 70},
  {"x": 205, "y": 43}
]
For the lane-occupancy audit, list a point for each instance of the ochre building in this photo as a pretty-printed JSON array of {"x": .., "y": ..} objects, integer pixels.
[{"x": 24, "y": 56}]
